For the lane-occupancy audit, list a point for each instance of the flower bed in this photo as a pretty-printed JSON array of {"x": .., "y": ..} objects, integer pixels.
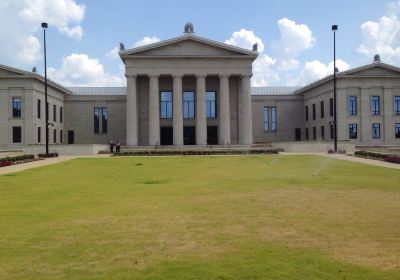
[
  {"x": 190, "y": 153},
  {"x": 7, "y": 161},
  {"x": 378, "y": 156}
]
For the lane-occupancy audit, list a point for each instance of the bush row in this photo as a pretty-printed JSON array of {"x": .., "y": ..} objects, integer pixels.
[
  {"x": 385, "y": 157},
  {"x": 7, "y": 161},
  {"x": 50, "y": 155},
  {"x": 187, "y": 153}
]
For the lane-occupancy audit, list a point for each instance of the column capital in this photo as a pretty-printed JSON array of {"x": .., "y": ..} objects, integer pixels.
[
  {"x": 177, "y": 76},
  {"x": 154, "y": 76},
  {"x": 130, "y": 76},
  {"x": 201, "y": 76},
  {"x": 224, "y": 75}
]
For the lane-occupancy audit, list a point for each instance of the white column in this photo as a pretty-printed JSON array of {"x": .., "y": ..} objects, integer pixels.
[
  {"x": 154, "y": 112},
  {"x": 201, "y": 121},
  {"x": 246, "y": 130},
  {"x": 177, "y": 110},
  {"x": 131, "y": 113},
  {"x": 224, "y": 124}
]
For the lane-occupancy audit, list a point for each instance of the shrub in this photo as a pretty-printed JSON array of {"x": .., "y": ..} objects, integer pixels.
[
  {"x": 50, "y": 155},
  {"x": 17, "y": 158},
  {"x": 4, "y": 163},
  {"x": 393, "y": 159},
  {"x": 371, "y": 154}
]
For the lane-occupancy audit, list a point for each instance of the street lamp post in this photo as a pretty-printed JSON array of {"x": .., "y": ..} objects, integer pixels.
[
  {"x": 44, "y": 26},
  {"x": 334, "y": 29}
]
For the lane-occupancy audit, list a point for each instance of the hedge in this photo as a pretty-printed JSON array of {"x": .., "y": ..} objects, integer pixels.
[
  {"x": 185, "y": 153},
  {"x": 385, "y": 157},
  {"x": 17, "y": 158},
  {"x": 50, "y": 155}
]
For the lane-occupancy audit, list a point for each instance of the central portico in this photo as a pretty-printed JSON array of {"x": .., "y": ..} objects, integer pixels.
[{"x": 188, "y": 91}]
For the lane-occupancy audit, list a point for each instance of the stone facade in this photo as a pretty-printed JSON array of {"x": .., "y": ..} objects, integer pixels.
[{"x": 243, "y": 115}]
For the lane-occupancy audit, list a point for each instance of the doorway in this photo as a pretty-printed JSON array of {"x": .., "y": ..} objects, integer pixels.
[
  {"x": 189, "y": 135},
  {"x": 297, "y": 134},
  {"x": 166, "y": 135},
  {"x": 212, "y": 135},
  {"x": 71, "y": 137}
]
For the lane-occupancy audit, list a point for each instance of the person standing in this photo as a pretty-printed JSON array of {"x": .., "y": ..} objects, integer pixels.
[
  {"x": 118, "y": 147},
  {"x": 112, "y": 146}
]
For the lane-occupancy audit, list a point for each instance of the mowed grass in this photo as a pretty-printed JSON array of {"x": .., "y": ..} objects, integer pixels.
[{"x": 236, "y": 217}]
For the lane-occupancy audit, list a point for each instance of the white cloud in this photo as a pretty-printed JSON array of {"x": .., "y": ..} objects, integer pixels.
[
  {"x": 315, "y": 70},
  {"x": 81, "y": 70},
  {"x": 264, "y": 71},
  {"x": 113, "y": 53},
  {"x": 20, "y": 26},
  {"x": 146, "y": 41},
  {"x": 294, "y": 39},
  {"x": 245, "y": 39},
  {"x": 382, "y": 37}
]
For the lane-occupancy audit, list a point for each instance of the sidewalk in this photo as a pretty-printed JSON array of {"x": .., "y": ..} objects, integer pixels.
[{"x": 44, "y": 162}]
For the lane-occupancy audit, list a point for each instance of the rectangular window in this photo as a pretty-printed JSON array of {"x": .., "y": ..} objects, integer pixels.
[
  {"x": 397, "y": 105},
  {"x": 352, "y": 105},
  {"x": 16, "y": 107},
  {"x": 332, "y": 131},
  {"x": 39, "y": 109},
  {"x": 322, "y": 132},
  {"x": 313, "y": 112},
  {"x": 104, "y": 120},
  {"x": 314, "y": 130},
  {"x": 307, "y": 136},
  {"x": 306, "y": 113},
  {"x": 322, "y": 109},
  {"x": 376, "y": 131},
  {"x": 273, "y": 118},
  {"x": 211, "y": 105},
  {"x": 96, "y": 120},
  {"x": 61, "y": 114},
  {"x": 54, "y": 113},
  {"x": 353, "y": 131},
  {"x": 375, "y": 105},
  {"x": 166, "y": 105},
  {"x": 54, "y": 136},
  {"x": 188, "y": 104},
  {"x": 61, "y": 136},
  {"x": 266, "y": 118},
  {"x": 39, "y": 134},
  {"x": 331, "y": 107},
  {"x": 17, "y": 134},
  {"x": 397, "y": 130}
]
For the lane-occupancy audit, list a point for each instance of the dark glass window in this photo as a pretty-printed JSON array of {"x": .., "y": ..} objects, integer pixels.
[
  {"x": 322, "y": 109},
  {"x": 54, "y": 113},
  {"x": 306, "y": 113},
  {"x": 39, "y": 109},
  {"x": 266, "y": 118},
  {"x": 166, "y": 105},
  {"x": 104, "y": 120},
  {"x": 314, "y": 130},
  {"x": 332, "y": 130},
  {"x": 397, "y": 130},
  {"x": 54, "y": 136},
  {"x": 313, "y": 112},
  {"x": 273, "y": 118},
  {"x": 397, "y": 105},
  {"x": 307, "y": 136},
  {"x": 353, "y": 131},
  {"x": 17, "y": 134},
  {"x": 376, "y": 131},
  {"x": 39, "y": 134},
  {"x": 61, "y": 114},
  {"x": 331, "y": 107},
  {"x": 16, "y": 107},
  {"x": 61, "y": 136},
  {"x": 96, "y": 120},
  {"x": 352, "y": 105},
  {"x": 322, "y": 132},
  {"x": 375, "y": 105},
  {"x": 211, "y": 105},
  {"x": 188, "y": 105}
]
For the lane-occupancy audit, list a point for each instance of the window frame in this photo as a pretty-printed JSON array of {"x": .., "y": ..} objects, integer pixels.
[
  {"x": 168, "y": 105},
  {"x": 190, "y": 104},
  {"x": 39, "y": 108},
  {"x": 397, "y": 130},
  {"x": 322, "y": 109},
  {"x": 14, "y": 129},
  {"x": 211, "y": 114},
  {"x": 352, "y": 105},
  {"x": 273, "y": 119},
  {"x": 314, "y": 112},
  {"x": 54, "y": 113},
  {"x": 375, "y": 105},
  {"x": 331, "y": 107},
  {"x": 306, "y": 109},
  {"x": 104, "y": 120},
  {"x": 353, "y": 126},
  {"x": 96, "y": 120},
  {"x": 378, "y": 126},
  {"x": 396, "y": 105},
  {"x": 14, "y": 110},
  {"x": 266, "y": 118},
  {"x": 61, "y": 114}
]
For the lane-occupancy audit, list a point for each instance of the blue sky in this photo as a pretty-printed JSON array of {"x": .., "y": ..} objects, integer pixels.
[{"x": 296, "y": 34}]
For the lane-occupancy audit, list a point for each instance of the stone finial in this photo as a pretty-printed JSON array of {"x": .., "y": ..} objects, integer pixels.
[
  {"x": 336, "y": 70},
  {"x": 255, "y": 47},
  {"x": 121, "y": 46},
  {"x": 377, "y": 58},
  {"x": 34, "y": 70},
  {"x": 189, "y": 29}
]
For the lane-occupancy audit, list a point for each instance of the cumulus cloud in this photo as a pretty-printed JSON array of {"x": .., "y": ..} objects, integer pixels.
[
  {"x": 315, "y": 70},
  {"x": 81, "y": 70},
  {"x": 245, "y": 39},
  {"x": 20, "y": 26},
  {"x": 113, "y": 53},
  {"x": 382, "y": 36}
]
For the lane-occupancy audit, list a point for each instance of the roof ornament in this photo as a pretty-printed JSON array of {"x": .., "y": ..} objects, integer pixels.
[
  {"x": 377, "y": 58},
  {"x": 336, "y": 70},
  {"x": 121, "y": 47},
  {"x": 34, "y": 70},
  {"x": 189, "y": 29},
  {"x": 255, "y": 47}
]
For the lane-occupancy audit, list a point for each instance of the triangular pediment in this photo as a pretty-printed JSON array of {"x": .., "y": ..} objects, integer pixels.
[
  {"x": 376, "y": 70},
  {"x": 187, "y": 46},
  {"x": 9, "y": 71}
]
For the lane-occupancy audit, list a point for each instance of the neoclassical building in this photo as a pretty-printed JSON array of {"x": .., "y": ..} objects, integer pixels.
[{"x": 191, "y": 90}]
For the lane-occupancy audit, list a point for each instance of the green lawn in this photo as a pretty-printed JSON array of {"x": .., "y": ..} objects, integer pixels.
[{"x": 236, "y": 217}]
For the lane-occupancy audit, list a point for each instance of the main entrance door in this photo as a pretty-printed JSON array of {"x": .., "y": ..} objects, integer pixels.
[
  {"x": 212, "y": 135},
  {"x": 189, "y": 135},
  {"x": 297, "y": 134},
  {"x": 166, "y": 135},
  {"x": 71, "y": 137}
]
